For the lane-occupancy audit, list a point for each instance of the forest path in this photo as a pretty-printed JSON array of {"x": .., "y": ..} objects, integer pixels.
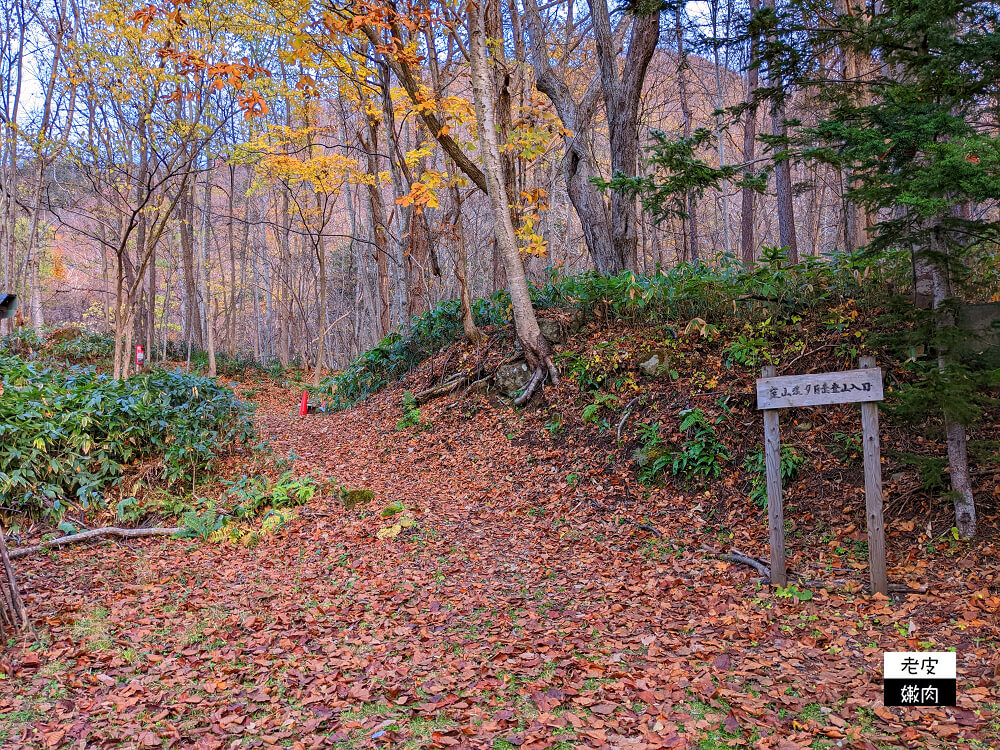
[{"x": 513, "y": 615}]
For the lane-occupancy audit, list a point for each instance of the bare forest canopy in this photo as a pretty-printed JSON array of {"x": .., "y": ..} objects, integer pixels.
[{"x": 295, "y": 180}]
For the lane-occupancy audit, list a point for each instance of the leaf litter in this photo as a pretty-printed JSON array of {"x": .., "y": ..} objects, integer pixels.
[{"x": 517, "y": 608}]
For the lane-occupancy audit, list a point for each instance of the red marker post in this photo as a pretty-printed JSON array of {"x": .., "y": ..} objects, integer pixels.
[
  {"x": 140, "y": 356},
  {"x": 304, "y": 406}
]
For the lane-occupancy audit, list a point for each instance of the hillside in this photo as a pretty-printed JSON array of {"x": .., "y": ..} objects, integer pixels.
[{"x": 550, "y": 591}]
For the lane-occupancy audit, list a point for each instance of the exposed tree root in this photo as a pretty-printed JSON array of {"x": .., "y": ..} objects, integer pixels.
[
  {"x": 84, "y": 536},
  {"x": 446, "y": 387},
  {"x": 738, "y": 557},
  {"x": 13, "y": 615},
  {"x": 529, "y": 390},
  {"x": 646, "y": 527}
]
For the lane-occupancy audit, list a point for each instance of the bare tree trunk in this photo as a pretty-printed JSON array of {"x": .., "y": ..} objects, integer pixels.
[
  {"x": 536, "y": 349},
  {"x": 16, "y": 27},
  {"x": 747, "y": 194},
  {"x": 682, "y": 68},
  {"x": 378, "y": 231},
  {"x": 192, "y": 320},
  {"x": 34, "y": 250},
  {"x": 402, "y": 213},
  {"x": 720, "y": 143},
  {"x": 783, "y": 175},
  {"x": 206, "y": 267},
  {"x": 472, "y": 332},
  {"x": 958, "y": 454},
  {"x": 621, "y": 102},
  {"x": 322, "y": 324},
  {"x": 855, "y": 71}
]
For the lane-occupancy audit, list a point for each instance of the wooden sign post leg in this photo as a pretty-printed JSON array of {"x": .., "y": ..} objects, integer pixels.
[
  {"x": 775, "y": 513},
  {"x": 873, "y": 492}
]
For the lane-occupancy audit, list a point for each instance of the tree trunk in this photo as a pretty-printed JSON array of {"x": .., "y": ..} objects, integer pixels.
[
  {"x": 536, "y": 349},
  {"x": 472, "y": 332},
  {"x": 378, "y": 232},
  {"x": 621, "y": 102},
  {"x": 958, "y": 454},
  {"x": 720, "y": 142},
  {"x": 855, "y": 71},
  {"x": 322, "y": 324},
  {"x": 682, "y": 68},
  {"x": 747, "y": 193},
  {"x": 783, "y": 175},
  {"x": 578, "y": 167},
  {"x": 206, "y": 267},
  {"x": 192, "y": 319}
]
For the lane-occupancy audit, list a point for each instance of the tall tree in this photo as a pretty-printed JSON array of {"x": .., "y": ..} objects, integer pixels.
[
  {"x": 536, "y": 348},
  {"x": 579, "y": 169},
  {"x": 779, "y": 139},
  {"x": 919, "y": 155},
  {"x": 622, "y": 90},
  {"x": 747, "y": 193},
  {"x": 691, "y": 219}
]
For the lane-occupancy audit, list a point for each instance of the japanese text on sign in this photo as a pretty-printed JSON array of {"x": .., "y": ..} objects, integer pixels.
[{"x": 846, "y": 387}]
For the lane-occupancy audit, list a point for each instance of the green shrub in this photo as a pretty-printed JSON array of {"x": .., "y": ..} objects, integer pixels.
[
  {"x": 700, "y": 457},
  {"x": 754, "y": 464},
  {"x": 411, "y": 413},
  {"x": 246, "y": 497},
  {"x": 702, "y": 454},
  {"x": 21, "y": 342},
  {"x": 693, "y": 290},
  {"x": 87, "y": 347},
  {"x": 65, "y": 435}
]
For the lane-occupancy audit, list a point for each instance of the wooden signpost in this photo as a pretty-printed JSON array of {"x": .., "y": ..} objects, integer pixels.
[{"x": 862, "y": 386}]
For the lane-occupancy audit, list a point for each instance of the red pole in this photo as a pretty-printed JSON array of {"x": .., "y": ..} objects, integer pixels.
[{"x": 304, "y": 406}]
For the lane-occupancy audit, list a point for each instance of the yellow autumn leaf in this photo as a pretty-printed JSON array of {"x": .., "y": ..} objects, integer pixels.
[{"x": 389, "y": 532}]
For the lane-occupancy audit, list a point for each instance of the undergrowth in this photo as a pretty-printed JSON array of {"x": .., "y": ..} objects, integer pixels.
[
  {"x": 68, "y": 434},
  {"x": 703, "y": 291}
]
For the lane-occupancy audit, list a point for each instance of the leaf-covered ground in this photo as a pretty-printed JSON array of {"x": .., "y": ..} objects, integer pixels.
[{"x": 523, "y": 609}]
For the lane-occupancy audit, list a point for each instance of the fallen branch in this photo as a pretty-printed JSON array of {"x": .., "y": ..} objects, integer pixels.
[
  {"x": 13, "y": 615},
  {"x": 738, "y": 557},
  {"x": 84, "y": 536},
  {"x": 423, "y": 397},
  {"x": 626, "y": 415},
  {"x": 645, "y": 526}
]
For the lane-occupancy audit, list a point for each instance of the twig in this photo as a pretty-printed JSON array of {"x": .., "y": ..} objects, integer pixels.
[
  {"x": 84, "y": 536},
  {"x": 806, "y": 354},
  {"x": 651, "y": 529},
  {"x": 626, "y": 415}
]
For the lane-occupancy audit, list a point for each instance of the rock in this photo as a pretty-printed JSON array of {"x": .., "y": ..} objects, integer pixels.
[
  {"x": 511, "y": 378},
  {"x": 553, "y": 330},
  {"x": 657, "y": 363},
  {"x": 353, "y": 498}
]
